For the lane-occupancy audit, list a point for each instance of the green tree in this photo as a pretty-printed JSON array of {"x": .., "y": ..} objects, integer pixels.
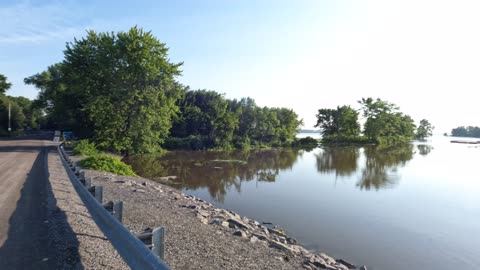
[
  {"x": 119, "y": 87},
  {"x": 424, "y": 130},
  {"x": 341, "y": 121},
  {"x": 470, "y": 131},
  {"x": 4, "y": 85},
  {"x": 17, "y": 121},
  {"x": 385, "y": 123}
]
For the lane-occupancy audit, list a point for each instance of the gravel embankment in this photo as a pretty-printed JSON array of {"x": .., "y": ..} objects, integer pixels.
[
  {"x": 200, "y": 236},
  {"x": 72, "y": 229}
]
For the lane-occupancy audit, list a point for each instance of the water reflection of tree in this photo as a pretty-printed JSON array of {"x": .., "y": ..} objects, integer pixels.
[
  {"x": 381, "y": 165},
  {"x": 341, "y": 160},
  {"x": 424, "y": 149},
  {"x": 216, "y": 171}
]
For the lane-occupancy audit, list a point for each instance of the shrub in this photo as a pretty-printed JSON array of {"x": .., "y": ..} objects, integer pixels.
[
  {"x": 307, "y": 142},
  {"x": 106, "y": 163},
  {"x": 333, "y": 139},
  {"x": 86, "y": 148}
]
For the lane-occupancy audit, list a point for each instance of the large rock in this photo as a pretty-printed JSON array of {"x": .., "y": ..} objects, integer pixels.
[
  {"x": 240, "y": 233},
  {"x": 237, "y": 223},
  {"x": 285, "y": 248},
  {"x": 347, "y": 264},
  {"x": 277, "y": 232},
  {"x": 327, "y": 258},
  {"x": 220, "y": 222}
]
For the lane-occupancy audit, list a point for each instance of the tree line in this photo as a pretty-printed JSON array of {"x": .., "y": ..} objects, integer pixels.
[
  {"x": 25, "y": 114},
  {"x": 120, "y": 90},
  {"x": 470, "y": 131},
  {"x": 383, "y": 123}
]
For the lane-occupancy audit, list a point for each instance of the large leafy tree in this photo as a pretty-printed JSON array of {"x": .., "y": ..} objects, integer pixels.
[
  {"x": 340, "y": 121},
  {"x": 119, "y": 87},
  {"x": 4, "y": 85},
  {"x": 424, "y": 130},
  {"x": 384, "y": 121}
]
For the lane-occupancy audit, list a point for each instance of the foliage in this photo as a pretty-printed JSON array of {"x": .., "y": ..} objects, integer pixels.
[
  {"x": 207, "y": 120},
  {"x": 307, "y": 142},
  {"x": 107, "y": 164},
  {"x": 343, "y": 139},
  {"x": 119, "y": 91},
  {"x": 86, "y": 148},
  {"x": 17, "y": 122},
  {"x": 470, "y": 131},
  {"x": 117, "y": 88},
  {"x": 424, "y": 130},
  {"x": 384, "y": 123},
  {"x": 4, "y": 85},
  {"x": 341, "y": 121}
]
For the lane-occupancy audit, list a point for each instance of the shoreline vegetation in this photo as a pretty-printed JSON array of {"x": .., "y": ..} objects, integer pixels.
[{"x": 120, "y": 90}]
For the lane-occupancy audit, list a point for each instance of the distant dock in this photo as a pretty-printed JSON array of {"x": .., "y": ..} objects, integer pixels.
[{"x": 466, "y": 142}]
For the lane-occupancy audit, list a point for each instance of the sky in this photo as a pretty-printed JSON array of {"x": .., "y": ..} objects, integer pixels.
[{"x": 305, "y": 55}]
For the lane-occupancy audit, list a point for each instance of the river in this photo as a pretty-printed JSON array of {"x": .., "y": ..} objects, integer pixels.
[{"x": 415, "y": 206}]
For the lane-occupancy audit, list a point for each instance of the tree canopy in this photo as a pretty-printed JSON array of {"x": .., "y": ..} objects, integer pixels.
[
  {"x": 384, "y": 121},
  {"x": 120, "y": 91},
  {"x": 424, "y": 130},
  {"x": 4, "y": 85},
  {"x": 340, "y": 121},
  {"x": 470, "y": 131}
]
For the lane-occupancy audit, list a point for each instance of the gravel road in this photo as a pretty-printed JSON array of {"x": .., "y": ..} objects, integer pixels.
[{"x": 43, "y": 223}]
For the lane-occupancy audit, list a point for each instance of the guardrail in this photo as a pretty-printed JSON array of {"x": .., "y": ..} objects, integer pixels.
[{"x": 133, "y": 249}]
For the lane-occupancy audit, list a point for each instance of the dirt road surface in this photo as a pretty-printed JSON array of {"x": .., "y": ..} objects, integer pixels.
[
  {"x": 43, "y": 222},
  {"x": 23, "y": 202}
]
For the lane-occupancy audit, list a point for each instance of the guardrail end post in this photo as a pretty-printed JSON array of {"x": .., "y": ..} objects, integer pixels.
[
  {"x": 158, "y": 241},
  {"x": 99, "y": 194},
  {"x": 88, "y": 182},
  {"x": 118, "y": 210}
]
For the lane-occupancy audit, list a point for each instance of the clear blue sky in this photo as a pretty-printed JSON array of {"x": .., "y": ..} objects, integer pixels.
[{"x": 305, "y": 55}]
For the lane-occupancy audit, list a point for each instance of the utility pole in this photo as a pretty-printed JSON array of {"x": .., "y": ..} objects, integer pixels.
[{"x": 9, "y": 117}]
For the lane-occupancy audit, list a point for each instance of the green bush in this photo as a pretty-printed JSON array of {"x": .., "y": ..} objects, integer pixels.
[
  {"x": 307, "y": 142},
  {"x": 334, "y": 139},
  {"x": 106, "y": 163},
  {"x": 86, "y": 148}
]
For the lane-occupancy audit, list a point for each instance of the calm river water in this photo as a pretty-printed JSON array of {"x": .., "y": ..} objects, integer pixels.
[{"x": 411, "y": 207}]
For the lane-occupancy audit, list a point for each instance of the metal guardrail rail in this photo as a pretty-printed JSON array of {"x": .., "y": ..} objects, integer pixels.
[{"x": 134, "y": 252}]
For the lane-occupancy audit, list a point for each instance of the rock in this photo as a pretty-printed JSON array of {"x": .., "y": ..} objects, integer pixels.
[
  {"x": 144, "y": 184},
  {"x": 176, "y": 198},
  {"x": 259, "y": 236},
  {"x": 327, "y": 258},
  {"x": 253, "y": 239},
  {"x": 292, "y": 241},
  {"x": 219, "y": 222},
  {"x": 318, "y": 262},
  {"x": 308, "y": 266},
  {"x": 237, "y": 223},
  {"x": 240, "y": 233},
  {"x": 203, "y": 213},
  {"x": 347, "y": 264},
  {"x": 141, "y": 190},
  {"x": 288, "y": 249},
  {"x": 277, "y": 232},
  {"x": 363, "y": 267},
  {"x": 254, "y": 223},
  {"x": 282, "y": 240}
]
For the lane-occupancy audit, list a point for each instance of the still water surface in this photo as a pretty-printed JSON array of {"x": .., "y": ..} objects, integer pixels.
[{"x": 411, "y": 207}]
